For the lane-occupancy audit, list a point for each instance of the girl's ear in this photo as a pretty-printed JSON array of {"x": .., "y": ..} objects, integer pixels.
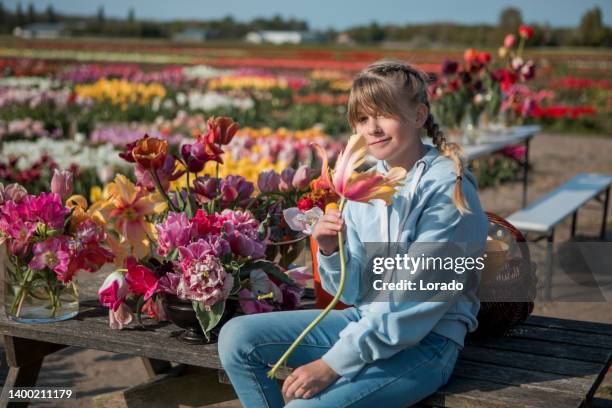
[{"x": 421, "y": 114}]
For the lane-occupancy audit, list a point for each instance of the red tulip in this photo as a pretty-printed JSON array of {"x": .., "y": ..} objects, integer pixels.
[{"x": 526, "y": 31}]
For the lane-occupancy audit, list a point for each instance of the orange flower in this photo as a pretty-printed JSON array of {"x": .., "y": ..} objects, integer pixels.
[
  {"x": 150, "y": 152},
  {"x": 221, "y": 130},
  {"x": 470, "y": 55},
  {"x": 353, "y": 186}
]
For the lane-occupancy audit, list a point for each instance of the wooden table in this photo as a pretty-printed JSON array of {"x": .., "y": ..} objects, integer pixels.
[{"x": 545, "y": 362}]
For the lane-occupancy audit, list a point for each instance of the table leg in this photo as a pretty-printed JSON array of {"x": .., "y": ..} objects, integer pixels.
[
  {"x": 155, "y": 367},
  {"x": 526, "y": 171},
  {"x": 602, "y": 234},
  {"x": 24, "y": 357}
]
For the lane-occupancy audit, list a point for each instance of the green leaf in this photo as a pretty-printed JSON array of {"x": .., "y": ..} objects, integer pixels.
[
  {"x": 268, "y": 267},
  {"x": 208, "y": 319}
]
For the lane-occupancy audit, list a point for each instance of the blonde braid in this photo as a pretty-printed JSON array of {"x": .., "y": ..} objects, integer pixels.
[{"x": 454, "y": 152}]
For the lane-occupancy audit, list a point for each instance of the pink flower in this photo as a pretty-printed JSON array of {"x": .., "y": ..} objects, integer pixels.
[
  {"x": 169, "y": 283},
  {"x": 61, "y": 183},
  {"x": 208, "y": 245},
  {"x": 113, "y": 291},
  {"x": 140, "y": 279},
  {"x": 251, "y": 305},
  {"x": 54, "y": 254},
  {"x": 302, "y": 177},
  {"x": 46, "y": 208},
  {"x": 204, "y": 280},
  {"x": 509, "y": 41},
  {"x": 174, "y": 232},
  {"x": 268, "y": 181},
  {"x": 120, "y": 317},
  {"x": 236, "y": 188},
  {"x": 241, "y": 229},
  {"x": 16, "y": 228}
]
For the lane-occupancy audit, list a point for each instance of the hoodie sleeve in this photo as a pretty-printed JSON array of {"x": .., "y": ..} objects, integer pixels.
[
  {"x": 329, "y": 265},
  {"x": 391, "y": 326}
]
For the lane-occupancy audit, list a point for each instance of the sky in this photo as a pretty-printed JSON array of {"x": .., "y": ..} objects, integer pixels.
[{"x": 338, "y": 14}]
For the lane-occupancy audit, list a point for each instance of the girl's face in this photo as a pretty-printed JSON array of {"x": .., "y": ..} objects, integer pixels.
[{"x": 387, "y": 138}]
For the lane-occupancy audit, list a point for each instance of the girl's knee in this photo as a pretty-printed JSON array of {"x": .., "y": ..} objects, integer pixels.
[{"x": 237, "y": 335}]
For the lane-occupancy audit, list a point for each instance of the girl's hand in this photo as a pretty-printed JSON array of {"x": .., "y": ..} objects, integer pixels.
[
  {"x": 308, "y": 380},
  {"x": 326, "y": 230}
]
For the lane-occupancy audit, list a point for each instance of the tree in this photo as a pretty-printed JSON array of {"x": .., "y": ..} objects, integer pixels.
[
  {"x": 131, "y": 17},
  {"x": 101, "y": 17},
  {"x": 591, "y": 30},
  {"x": 2, "y": 14},
  {"x": 51, "y": 17},
  {"x": 31, "y": 13},
  {"x": 21, "y": 20},
  {"x": 510, "y": 19}
]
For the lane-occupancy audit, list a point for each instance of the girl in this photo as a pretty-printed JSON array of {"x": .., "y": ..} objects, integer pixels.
[{"x": 385, "y": 352}]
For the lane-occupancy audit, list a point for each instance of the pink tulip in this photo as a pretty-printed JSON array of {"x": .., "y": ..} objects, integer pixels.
[
  {"x": 61, "y": 183},
  {"x": 509, "y": 41},
  {"x": 302, "y": 177},
  {"x": 140, "y": 279},
  {"x": 113, "y": 291}
]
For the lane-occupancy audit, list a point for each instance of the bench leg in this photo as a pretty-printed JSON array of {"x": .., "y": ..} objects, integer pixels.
[
  {"x": 549, "y": 264},
  {"x": 155, "y": 367},
  {"x": 24, "y": 357},
  {"x": 526, "y": 171},
  {"x": 602, "y": 234},
  {"x": 574, "y": 220}
]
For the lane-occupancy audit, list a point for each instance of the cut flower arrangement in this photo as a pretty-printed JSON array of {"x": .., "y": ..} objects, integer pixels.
[{"x": 202, "y": 245}]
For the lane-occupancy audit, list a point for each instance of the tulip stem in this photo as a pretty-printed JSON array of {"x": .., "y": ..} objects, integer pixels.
[
  {"x": 157, "y": 183},
  {"x": 330, "y": 306}
]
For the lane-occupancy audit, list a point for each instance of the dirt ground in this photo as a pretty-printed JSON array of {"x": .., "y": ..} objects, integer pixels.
[{"x": 555, "y": 159}]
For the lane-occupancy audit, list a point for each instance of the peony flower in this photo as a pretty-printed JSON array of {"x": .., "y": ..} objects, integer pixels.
[
  {"x": 61, "y": 183},
  {"x": 174, "y": 232},
  {"x": 241, "y": 230},
  {"x": 140, "y": 279},
  {"x": 13, "y": 192},
  {"x": 268, "y": 181},
  {"x": 204, "y": 279}
]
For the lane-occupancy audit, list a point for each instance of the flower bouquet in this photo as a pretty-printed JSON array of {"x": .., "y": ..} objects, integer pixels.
[
  {"x": 195, "y": 247},
  {"x": 47, "y": 243}
]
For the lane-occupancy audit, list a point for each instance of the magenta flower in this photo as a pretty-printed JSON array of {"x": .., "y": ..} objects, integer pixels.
[
  {"x": 16, "y": 229},
  {"x": 113, "y": 291},
  {"x": 54, "y": 254},
  {"x": 241, "y": 229},
  {"x": 46, "y": 208},
  {"x": 140, "y": 279},
  {"x": 169, "y": 283},
  {"x": 174, "y": 232},
  {"x": 236, "y": 188}
]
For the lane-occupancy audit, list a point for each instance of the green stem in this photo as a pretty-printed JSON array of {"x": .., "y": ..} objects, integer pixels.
[
  {"x": 189, "y": 208},
  {"x": 21, "y": 293},
  {"x": 158, "y": 185},
  {"x": 330, "y": 306}
]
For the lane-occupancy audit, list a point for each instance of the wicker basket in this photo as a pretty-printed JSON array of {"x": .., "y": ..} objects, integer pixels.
[{"x": 507, "y": 293}]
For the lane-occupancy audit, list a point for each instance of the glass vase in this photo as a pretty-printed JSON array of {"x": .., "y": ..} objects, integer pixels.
[{"x": 36, "y": 296}]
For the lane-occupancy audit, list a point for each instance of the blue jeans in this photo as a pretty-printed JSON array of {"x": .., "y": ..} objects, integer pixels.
[{"x": 250, "y": 344}]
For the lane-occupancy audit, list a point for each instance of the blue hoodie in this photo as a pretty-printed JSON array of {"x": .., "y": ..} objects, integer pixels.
[{"x": 386, "y": 328}]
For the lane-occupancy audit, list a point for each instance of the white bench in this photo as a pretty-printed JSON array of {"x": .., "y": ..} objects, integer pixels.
[{"x": 543, "y": 215}]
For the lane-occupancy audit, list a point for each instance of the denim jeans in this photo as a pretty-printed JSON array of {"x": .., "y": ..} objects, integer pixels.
[{"x": 250, "y": 344}]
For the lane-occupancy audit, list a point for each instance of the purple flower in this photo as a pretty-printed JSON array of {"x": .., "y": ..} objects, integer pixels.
[
  {"x": 236, "y": 188},
  {"x": 286, "y": 183},
  {"x": 174, "y": 232},
  {"x": 291, "y": 296},
  {"x": 449, "y": 67},
  {"x": 169, "y": 283},
  {"x": 302, "y": 177},
  {"x": 209, "y": 245},
  {"x": 166, "y": 174},
  {"x": 268, "y": 181},
  {"x": 205, "y": 188},
  {"x": 251, "y": 305}
]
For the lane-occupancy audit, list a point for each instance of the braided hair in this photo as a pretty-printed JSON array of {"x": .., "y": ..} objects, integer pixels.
[{"x": 393, "y": 88}]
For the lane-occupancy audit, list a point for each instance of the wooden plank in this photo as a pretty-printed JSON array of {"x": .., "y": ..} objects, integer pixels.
[
  {"x": 574, "y": 325},
  {"x": 562, "y": 336},
  {"x": 544, "y": 348},
  {"x": 545, "y": 364},
  {"x": 468, "y": 393},
  {"x": 578, "y": 385}
]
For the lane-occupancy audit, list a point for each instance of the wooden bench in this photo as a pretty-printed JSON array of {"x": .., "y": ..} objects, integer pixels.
[
  {"x": 544, "y": 362},
  {"x": 543, "y": 215}
]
